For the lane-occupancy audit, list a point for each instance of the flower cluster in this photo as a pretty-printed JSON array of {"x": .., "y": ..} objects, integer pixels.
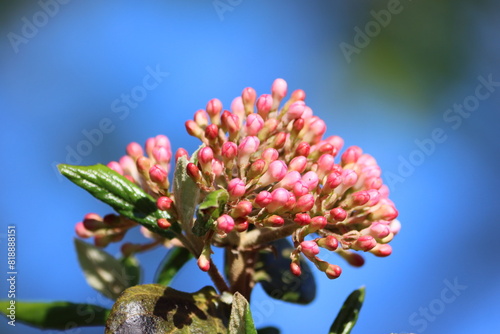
[
  {"x": 281, "y": 173},
  {"x": 282, "y": 177}
]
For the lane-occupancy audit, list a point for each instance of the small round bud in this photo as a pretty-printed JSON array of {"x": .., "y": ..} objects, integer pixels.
[
  {"x": 163, "y": 223},
  {"x": 164, "y": 203}
]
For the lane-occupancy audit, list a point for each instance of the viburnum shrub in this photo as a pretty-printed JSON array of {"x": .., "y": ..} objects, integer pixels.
[{"x": 266, "y": 187}]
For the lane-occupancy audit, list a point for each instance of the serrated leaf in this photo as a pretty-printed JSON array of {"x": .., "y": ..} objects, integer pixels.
[
  {"x": 175, "y": 259},
  {"x": 153, "y": 308},
  {"x": 241, "y": 321},
  {"x": 209, "y": 210},
  {"x": 122, "y": 195},
  {"x": 102, "y": 271},
  {"x": 273, "y": 272},
  {"x": 186, "y": 193},
  {"x": 268, "y": 330},
  {"x": 133, "y": 271},
  {"x": 348, "y": 315},
  {"x": 55, "y": 315}
]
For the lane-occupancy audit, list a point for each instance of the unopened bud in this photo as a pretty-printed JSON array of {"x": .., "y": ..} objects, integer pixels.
[{"x": 164, "y": 203}]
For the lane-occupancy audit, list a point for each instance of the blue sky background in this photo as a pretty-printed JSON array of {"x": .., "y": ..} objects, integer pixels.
[{"x": 395, "y": 91}]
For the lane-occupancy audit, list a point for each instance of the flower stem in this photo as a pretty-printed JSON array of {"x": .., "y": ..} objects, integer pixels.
[{"x": 262, "y": 236}]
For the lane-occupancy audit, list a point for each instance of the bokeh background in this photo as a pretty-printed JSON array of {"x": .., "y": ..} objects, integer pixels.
[{"x": 61, "y": 78}]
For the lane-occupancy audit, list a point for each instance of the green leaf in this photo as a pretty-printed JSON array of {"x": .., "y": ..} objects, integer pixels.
[
  {"x": 273, "y": 272},
  {"x": 241, "y": 321},
  {"x": 55, "y": 315},
  {"x": 175, "y": 259},
  {"x": 122, "y": 195},
  {"x": 268, "y": 330},
  {"x": 186, "y": 193},
  {"x": 348, "y": 315},
  {"x": 133, "y": 271},
  {"x": 153, "y": 308},
  {"x": 102, "y": 271},
  {"x": 209, "y": 210}
]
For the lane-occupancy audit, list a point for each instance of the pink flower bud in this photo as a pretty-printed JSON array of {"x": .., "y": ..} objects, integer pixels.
[
  {"x": 300, "y": 188},
  {"x": 382, "y": 250},
  {"x": 353, "y": 258},
  {"x": 162, "y": 154},
  {"x": 318, "y": 223},
  {"x": 212, "y": 132},
  {"x": 395, "y": 226},
  {"x": 255, "y": 123},
  {"x": 290, "y": 179},
  {"x": 303, "y": 149},
  {"x": 214, "y": 107},
  {"x": 236, "y": 188},
  {"x": 158, "y": 174},
  {"x": 333, "y": 180},
  {"x": 379, "y": 230},
  {"x": 309, "y": 248},
  {"x": 201, "y": 118},
  {"x": 349, "y": 177},
  {"x": 295, "y": 269},
  {"x": 193, "y": 171},
  {"x": 242, "y": 209},
  {"x": 290, "y": 204},
  {"x": 116, "y": 167},
  {"x": 278, "y": 90},
  {"x": 325, "y": 164},
  {"x": 298, "y": 164},
  {"x": 264, "y": 105},
  {"x": 203, "y": 262},
  {"x": 247, "y": 147},
  {"x": 230, "y": 122},
  {"x": 351, "y": 155},
  {"x": 269, "y": 154},
  {"x": 280, "y": 197},
  {"x": 240, "y": 225},
  {"x": 217, "y": 167},
  {"x": 256, "y": 169},
  {"x": 302, "y": 219},
  {"x": 248, "y": 96},
  {"x": 310, "y": 179},
  {"x": 337, "y": 142},
  {"x": 280, "y": 140},
  {"x": 304, "y": 203},
  {"x": 163, "y": 223},
  {"x": 274, "y": 221},
  {"x": 373, "y": 183},
  {"x": 225, "y": 223},
  {"x": 317, "y": 127},
  {"x": 181, "y": 153},
  {"x": 384, "y": 191},
  {"x": 298, "y": 95},
  {"x": 263, "y": 199},
  {"x": 143, "y": 164},
  {"x": 328, "y": 242},
  {"x": 365, "y": 243},
  {"x": 276, "y": 172},
  {"x": 238, "y": 108},
  {"x": 295, "y": 110},
  {"x": 374, "y": 197},
  {"x": 298, "y": 125},
  {"x": 333, "y": 271},
  {"x": 385, "y": 212},
  {"x": 193, "y": 129},
  {"x": 164, "y": 203},
  {"x": 205, "y": 155},
  {"x": 229, "y": 150},
  {"x": 135, "y": 150},
  {"x": 338, "y": 214},
  {"x": 81, "y": 231},
  {"x": 360, "y": 198}
]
